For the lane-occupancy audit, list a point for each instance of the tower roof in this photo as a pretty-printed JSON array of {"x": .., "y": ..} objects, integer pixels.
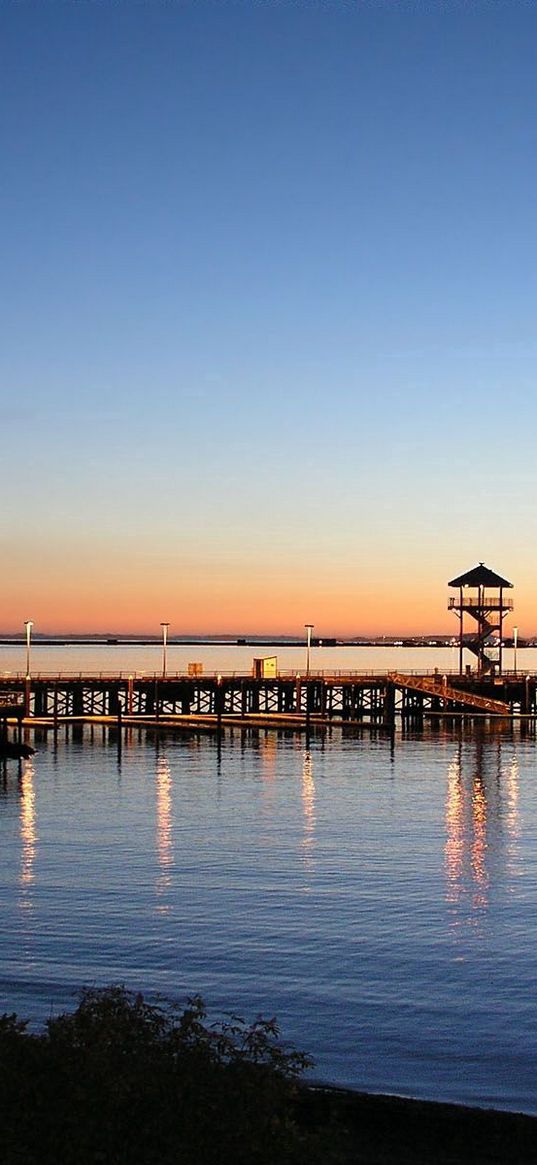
[{"x": 479, "y": 576}]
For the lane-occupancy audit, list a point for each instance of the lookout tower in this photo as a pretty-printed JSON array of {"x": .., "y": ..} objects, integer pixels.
[{"x": 481, "y": 595}]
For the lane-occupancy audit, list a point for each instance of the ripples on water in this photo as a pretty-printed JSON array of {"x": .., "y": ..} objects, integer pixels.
[{"x": 381, "y": 902}]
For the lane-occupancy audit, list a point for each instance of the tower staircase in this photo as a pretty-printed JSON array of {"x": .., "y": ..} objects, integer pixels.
[{"x": 481, "y": 594}]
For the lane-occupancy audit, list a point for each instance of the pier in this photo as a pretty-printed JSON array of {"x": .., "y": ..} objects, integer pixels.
[
  {"x": 284, "y": 699},
  {"x": 268, "y": 696}
]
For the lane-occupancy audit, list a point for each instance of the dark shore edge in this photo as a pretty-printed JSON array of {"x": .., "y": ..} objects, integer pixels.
[{"x": 382, "y": 1129}]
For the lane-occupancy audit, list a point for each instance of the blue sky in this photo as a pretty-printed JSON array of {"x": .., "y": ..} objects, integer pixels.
[{"x": 268, "y": 283}]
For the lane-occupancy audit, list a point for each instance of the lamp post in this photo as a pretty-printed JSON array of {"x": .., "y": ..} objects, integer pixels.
[
  {"x": 309, "y": 628},
  {"x": 219, "y": 701},
  {"x": 515, "y": 642},
  {"x": 28, "y": 623},
  {"x": 164, "y": 647}
]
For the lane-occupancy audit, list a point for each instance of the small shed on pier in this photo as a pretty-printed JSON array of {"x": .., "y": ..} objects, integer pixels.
[{"x": 265, "y": 668}]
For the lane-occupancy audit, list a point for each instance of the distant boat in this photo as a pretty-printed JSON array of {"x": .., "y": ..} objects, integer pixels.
[{"x": 9, "y": 751}]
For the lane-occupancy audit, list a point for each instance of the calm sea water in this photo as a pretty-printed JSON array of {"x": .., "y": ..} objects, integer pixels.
[
  {"x": 132, "y": 659},
  {"x": 137, "y": 660},
  {"x": 382, "y": 902}
]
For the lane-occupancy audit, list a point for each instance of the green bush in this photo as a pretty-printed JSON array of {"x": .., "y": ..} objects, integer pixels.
[{"x": 121, "y": 1081}]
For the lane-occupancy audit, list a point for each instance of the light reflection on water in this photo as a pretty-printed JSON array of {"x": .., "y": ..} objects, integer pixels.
[
  {"x": 381, "y": 901},
  {"x": 308, "y": 802},
  {"x": 481, "y": 816},
  {"x": 164, "y": 832},
  {"x": 28, "y": 830}
]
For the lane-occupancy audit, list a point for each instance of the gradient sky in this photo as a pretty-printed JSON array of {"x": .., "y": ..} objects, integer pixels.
[{"x": 268, "y": 295}]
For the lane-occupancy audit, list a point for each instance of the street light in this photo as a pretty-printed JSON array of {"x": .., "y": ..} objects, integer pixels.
[
  {"x": 28, "y": 623},
  {"x": 164, "y": 646},
  {"x": 515, "y": 641},
  {"x": 309, "y": 628}
]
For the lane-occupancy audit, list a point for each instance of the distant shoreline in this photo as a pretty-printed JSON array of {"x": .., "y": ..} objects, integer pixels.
[{"x": 118, "y": 641}]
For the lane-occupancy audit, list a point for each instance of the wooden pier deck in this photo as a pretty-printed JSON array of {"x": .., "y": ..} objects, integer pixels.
[{"x": 286, "y": 699}]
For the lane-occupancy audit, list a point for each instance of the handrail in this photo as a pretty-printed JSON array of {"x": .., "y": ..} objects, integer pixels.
[
  {"x": 174, "y": 677},
  {"x": 470, "y": 602},
  {"x": 138, "y": 677},
  {"x": 449, "y": 694}
]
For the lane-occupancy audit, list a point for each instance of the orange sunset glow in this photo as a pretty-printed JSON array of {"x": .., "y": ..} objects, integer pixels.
[{"x": 248, "y": 599}]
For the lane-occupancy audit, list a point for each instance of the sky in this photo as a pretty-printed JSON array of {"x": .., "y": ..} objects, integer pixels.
[{"x": 268, "y": 289}]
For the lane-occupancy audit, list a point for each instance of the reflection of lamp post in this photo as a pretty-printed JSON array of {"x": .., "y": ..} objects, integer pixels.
[
  {"x": 515, "y": 641},
  {"x": 28, "y": 624},
  {"x": 164, "y": 646},
  {"x": 309, "y": 628}
]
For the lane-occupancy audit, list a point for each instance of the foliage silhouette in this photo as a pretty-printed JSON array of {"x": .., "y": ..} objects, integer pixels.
[{"x": 121, "y": 1081}]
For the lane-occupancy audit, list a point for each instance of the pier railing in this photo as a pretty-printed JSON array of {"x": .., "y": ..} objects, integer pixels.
[
  {"x": 471, "y": 603},
  {"x": 181, "y": 676},
  {"x": 284, "y": 674}
]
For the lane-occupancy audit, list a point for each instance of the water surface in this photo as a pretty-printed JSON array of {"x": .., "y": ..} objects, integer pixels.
[
  {"x": 381, "y": 901},
  {"x": 134, "y": 659}
]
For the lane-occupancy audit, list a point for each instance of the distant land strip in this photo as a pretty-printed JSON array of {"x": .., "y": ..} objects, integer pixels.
[{"x": 18, "y": 640}]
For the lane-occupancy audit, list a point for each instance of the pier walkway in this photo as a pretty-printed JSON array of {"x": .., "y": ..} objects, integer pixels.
[{"x": 360, "y": 698}]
